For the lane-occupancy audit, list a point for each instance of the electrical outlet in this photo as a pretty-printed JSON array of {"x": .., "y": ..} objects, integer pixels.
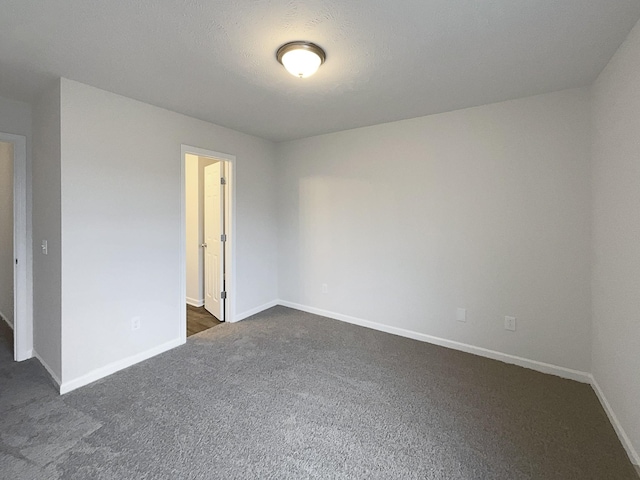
[
  {"x": 135, "y": 323},
  {"x": 461, "y": 315},
  {"x": 510, "y": 323},
  {"x": 325, "y": 288}
]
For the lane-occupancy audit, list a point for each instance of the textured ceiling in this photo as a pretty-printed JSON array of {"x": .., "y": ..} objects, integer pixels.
[{"x": 386, "y": 60}]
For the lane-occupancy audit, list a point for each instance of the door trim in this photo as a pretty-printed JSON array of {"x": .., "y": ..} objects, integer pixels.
[
  {"x": 230, "y": 229},
  {"x": 22, "y": 291}
]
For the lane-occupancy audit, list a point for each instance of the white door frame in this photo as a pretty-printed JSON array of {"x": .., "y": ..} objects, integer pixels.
[
  {"x": 230, "y": 230},
  {"x": 22, "y": 294}
]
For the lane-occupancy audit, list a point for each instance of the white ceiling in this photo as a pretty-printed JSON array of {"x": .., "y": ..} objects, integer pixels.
[{"x": 386, "y": 60}]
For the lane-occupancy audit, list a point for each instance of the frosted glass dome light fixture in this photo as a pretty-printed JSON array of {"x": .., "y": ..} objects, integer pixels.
[{"x": 301, "y": 59}]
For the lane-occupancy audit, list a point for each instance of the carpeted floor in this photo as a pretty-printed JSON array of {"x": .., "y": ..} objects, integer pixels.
[{"x": 292, "y": 395}]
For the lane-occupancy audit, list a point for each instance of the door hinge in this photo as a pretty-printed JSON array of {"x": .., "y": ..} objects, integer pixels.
[
  {"x": 17, "y": 259},
  {"x": 223, "y": 181},
  {"x": 223, "y": 295},
  {"x": 223, "y": 237}
]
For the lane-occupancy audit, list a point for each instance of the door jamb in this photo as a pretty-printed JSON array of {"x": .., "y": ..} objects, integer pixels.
[
  {"x": 22, "y": 293},
  {"x": 230, "y": 229}
]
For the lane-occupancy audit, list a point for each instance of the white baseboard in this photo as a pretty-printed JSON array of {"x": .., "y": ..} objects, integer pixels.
[
  {"x": 622, "y": 435},
  {"x": 563, "y": 372},
  {"x": 195, "y": 303},
  {"x": 253, "y": 311},
  {"x": 102, "y": 372},
  {"x": 6, "y": 320},
  {"x": 46, "y": 366}
]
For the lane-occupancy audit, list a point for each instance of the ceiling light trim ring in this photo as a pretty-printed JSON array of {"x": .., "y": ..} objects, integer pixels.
[{"x": 301, "y": 45}]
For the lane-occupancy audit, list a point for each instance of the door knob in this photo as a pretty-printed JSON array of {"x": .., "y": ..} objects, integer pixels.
[{"x": 204, "y": 245}]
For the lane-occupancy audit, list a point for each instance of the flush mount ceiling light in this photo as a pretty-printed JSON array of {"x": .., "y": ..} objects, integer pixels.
[{"x": 301, "y": 59}]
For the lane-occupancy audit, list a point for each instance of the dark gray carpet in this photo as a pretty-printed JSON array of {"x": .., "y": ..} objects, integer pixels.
[{"x": 292, "y": 395}]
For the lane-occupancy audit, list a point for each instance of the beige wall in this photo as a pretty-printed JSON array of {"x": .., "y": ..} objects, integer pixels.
[
  {"x": 192, "y": 218},
  {"x": 194, "y": 177},
  {"x": 6, "y": 232}
]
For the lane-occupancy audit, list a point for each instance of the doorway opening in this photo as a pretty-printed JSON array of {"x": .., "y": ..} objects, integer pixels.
[
  {"x": 15, "y": 312},
  {"x": 207, "y": 239}
]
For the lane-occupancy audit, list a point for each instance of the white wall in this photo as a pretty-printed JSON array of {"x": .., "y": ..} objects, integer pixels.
[
  {"x": 6, "y": 231},
  {"x": 121, "y": 192},
  {"x": 15, "y": 118},
  {"x": 47, "y": 269},
  {"x": 616, "y": 235},
  {"x": 486, "y": 208}
]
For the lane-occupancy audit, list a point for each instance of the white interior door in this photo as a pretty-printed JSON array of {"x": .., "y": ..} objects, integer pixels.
[{"x": 213, "y": 245}]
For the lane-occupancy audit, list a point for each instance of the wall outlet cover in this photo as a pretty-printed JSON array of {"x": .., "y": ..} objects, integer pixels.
[{"x": 510, "y": 323}]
